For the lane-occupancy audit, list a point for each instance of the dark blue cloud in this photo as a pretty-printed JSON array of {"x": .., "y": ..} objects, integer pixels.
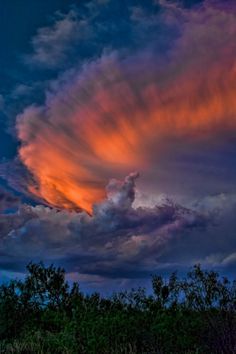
[{"x": 118, "y": 241}]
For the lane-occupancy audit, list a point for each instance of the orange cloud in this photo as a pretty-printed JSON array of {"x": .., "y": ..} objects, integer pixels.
[{"x": 117, "y": 114}]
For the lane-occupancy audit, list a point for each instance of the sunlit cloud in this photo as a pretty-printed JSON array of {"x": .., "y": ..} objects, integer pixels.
[{"x": 122, "y": 112}]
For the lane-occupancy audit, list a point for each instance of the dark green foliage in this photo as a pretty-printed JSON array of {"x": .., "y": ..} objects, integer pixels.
[{"x": 43, "y": 314}]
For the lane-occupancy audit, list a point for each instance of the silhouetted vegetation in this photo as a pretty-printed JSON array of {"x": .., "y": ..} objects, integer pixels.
[{"x": 43, "y": 314}]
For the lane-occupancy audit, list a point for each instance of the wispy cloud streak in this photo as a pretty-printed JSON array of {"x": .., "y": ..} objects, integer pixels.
[{"x": 120, "y": 112}]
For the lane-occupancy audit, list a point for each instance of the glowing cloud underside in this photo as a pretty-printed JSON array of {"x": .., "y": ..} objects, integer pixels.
[{"x": 118, "y": 113}]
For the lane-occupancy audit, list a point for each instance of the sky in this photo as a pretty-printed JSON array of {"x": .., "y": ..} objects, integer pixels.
[{"x": 117, "y": 138}]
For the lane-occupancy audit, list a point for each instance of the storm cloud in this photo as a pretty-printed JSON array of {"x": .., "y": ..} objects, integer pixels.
[{"x": 117, "y": 236}]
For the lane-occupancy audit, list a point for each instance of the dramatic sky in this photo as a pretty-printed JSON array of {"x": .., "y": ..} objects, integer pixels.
[{"x": 117, "y": 137}]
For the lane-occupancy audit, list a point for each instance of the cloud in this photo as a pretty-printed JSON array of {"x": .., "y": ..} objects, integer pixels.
[
  {"x": 117, "y": 241},
  {"x": 93, "y": 27},
  {"x": 126, "y": 112},
  {"x": 7, "y": 200},
  {"x": 52, "y": 44},
  {"x": 214, "y": 248},
  {"x": 17, "y": 176},
  {"x": 160, "y": 100},
  {"x": 21, "y": 90}
]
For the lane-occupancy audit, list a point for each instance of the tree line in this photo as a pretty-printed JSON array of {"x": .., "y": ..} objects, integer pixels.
[{"x": 192, "y": 314}]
